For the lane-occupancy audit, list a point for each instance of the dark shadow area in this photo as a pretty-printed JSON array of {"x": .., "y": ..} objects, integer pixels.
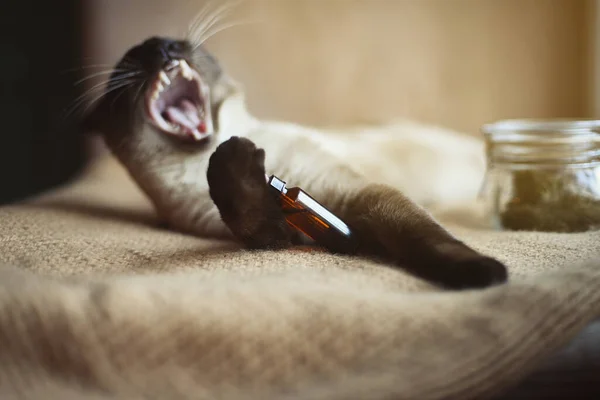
[
  {"x": 572, "y": 373},
  {"x": 42, "y": 45}
]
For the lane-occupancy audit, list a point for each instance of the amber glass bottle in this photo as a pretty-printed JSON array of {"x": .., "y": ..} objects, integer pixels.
[{"x": 309, "y": 217}]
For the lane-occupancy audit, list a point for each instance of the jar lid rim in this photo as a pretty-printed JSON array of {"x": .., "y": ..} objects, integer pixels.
[{"x": 573, "y": 126}]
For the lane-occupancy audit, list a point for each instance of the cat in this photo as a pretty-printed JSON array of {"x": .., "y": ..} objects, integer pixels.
[{"x": 179, "y": 125}]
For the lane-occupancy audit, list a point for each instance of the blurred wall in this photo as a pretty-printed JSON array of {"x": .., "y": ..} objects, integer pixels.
[{"x": 457, "y": 63}]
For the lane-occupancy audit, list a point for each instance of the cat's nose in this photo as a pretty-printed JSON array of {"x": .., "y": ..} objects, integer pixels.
[
  {"x": 166, "y": 49},
  {"x": 170, "y": 50}
]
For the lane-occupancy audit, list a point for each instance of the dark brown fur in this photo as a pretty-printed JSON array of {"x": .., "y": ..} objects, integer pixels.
[
  {"x": 236, "y": 177},
  {"x": 386, "y": 223}
]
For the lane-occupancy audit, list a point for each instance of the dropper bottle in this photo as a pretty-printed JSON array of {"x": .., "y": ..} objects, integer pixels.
[{"x": 309, "y": 217}]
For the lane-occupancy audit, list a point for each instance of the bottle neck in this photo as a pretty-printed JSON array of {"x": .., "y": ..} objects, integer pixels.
[{"x": 277, "y": 184}]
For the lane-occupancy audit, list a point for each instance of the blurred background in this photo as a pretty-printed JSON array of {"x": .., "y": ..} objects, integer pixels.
[{"x": 453, "y": 63}]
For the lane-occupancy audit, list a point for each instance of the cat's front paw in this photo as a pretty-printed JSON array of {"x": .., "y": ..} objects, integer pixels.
[
  {"x": 238, "y": 187},
  {"x": 236, "y": 174},
  {"x": 239, "y": 160},
  {"x": 475, "y": 273}
]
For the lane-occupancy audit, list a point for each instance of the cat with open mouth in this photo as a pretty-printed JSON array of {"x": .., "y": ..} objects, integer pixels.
[{"x": 179, "y": 125}]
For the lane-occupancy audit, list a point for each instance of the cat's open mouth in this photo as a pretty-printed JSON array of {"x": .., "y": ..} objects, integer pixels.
[{"x": 178, "y": 102}]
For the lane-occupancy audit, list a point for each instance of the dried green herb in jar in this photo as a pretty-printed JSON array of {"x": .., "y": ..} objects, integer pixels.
[
  {"x": 543, "y": 175},
  {"x": 541, "y": 202}
]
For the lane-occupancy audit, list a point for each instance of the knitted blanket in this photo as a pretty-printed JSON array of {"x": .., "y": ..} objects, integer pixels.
[{"x": 97, "y": 301}]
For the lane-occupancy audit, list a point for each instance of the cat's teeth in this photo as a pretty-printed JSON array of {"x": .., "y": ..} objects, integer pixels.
[
  {"x": 197, "y": 135},
  {"x": 155, "y": 95},
  {"x": 160, "y": 87},
  {"x": 164, "y": 78},
  {"x": 186, "y": 71}
]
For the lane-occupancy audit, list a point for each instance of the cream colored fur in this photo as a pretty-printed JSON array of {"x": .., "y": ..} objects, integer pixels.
[{"x": 403, "y": 154}]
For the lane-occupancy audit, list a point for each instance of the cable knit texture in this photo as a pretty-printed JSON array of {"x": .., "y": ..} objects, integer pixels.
[{"x": 97, "y": 301}]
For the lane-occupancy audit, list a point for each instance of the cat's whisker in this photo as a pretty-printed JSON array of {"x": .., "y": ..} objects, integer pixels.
[
  {"x": 206, "y": 16},
  {"x": 216, "y": 16},
  {"x": 139, "y": 91},
  {"x": 193, "y": 26},
  {"x": 112, "y": 103},
  {"x": 121, "y": 85},
  {"x": 72, "y": 109},
  {"x": 94, "y": 75},
  {"x": 86, "y": 67},
  {"x": 107, "y": 82},
  {"x": 223, "y": 27},
  {"x": 91, "y": 66},
  {"x": 125, "y": 63},
  {"x": 99, "y": 86}
]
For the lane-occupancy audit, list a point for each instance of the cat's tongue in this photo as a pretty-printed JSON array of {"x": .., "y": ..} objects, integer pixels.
[{"x": 185, "y": 114}]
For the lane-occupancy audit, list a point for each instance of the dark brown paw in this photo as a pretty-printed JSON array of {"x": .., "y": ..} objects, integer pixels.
[
  {"x": 237, "y": 165},
  {"x": 237, "y": 186},
  {"x": 474, "y": 273}
]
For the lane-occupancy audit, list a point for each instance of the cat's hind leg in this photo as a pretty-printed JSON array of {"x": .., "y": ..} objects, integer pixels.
[{"x": 390, "y": 225}]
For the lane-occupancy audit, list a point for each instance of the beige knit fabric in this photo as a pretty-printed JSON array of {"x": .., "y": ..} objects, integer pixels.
[{"x": 98, "y": 302}]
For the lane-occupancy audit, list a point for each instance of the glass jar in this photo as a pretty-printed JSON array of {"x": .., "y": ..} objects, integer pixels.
[{"x": 543, "y": 175}]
